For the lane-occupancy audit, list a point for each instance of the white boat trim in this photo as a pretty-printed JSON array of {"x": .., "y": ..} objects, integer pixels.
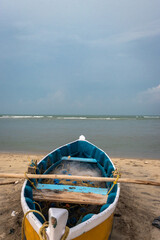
[{"x": 75, "y": 231}]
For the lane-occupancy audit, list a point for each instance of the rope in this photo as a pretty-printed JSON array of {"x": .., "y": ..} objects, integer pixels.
[
  {"x": 41, "y": 233},
  {"x": 65, "y": 235},
  {"x": 42, "y": 230},
  {"x": 38, "y": 206},
  {"x": 115, "y": 174},
  {"x": 33, "y": 164},
  {"x": 29, "y": 180}
]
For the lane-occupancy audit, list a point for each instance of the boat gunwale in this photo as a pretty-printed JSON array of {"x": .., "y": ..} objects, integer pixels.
[{"x": 77, "y": 230}]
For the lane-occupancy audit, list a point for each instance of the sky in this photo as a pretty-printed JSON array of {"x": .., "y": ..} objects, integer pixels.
[{"x": 80, "y": 57}]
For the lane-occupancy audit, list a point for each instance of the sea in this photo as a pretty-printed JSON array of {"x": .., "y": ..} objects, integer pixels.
[{"x": 118, "y": 136}]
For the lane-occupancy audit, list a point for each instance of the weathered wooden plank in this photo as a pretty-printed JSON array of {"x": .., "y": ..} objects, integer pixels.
[{"x": 69, "y": 197}]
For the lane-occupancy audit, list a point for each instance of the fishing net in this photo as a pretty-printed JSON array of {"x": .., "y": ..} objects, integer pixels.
[{"x": 76, "y": 211}]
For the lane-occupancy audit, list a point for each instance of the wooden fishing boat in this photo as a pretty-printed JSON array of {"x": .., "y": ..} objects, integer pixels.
[{"x": 76, "y": 209}]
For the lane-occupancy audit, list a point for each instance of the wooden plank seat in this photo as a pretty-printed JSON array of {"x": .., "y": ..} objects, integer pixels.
[
  {"x": 70, "y": 194},
  {"x": 78, "y": 159}
]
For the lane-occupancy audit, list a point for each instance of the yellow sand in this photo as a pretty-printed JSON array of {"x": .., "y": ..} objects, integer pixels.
[{"x": 137, "y": 207}]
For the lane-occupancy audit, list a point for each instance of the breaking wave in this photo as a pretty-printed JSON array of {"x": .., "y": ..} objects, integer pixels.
[{"x": 87, "y": 117}]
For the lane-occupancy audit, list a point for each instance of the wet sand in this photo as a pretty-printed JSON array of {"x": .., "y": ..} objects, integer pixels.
[{"x": 138, "y": 204}]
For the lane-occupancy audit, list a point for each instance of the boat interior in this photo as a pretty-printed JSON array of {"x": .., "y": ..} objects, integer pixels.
[{"x": 79, "y": 158}]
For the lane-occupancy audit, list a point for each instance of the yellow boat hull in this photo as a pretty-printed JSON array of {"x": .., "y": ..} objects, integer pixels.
[
  {"x": 100, "y": 232},
  {"x": 30, "y": 233}
]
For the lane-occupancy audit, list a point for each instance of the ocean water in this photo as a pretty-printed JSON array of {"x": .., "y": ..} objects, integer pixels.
[{"x": 118, "y": 136}]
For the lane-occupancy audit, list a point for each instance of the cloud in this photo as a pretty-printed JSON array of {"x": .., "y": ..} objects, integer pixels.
[
  {"x": 151, "y": 30},
  {"x": 25, "y": 31},
  {"x": 63, "y": 26},
  {"x": 137, "y": 35},
  {"x": 151, "y": 95},
  {"x": 78, "y": 56}
]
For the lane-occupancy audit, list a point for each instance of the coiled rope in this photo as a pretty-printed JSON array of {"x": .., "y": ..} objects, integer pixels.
[{"x": 42, "y": 231}]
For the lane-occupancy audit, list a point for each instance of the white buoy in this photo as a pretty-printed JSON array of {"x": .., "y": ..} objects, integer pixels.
[{"x": 82, "y": 137}]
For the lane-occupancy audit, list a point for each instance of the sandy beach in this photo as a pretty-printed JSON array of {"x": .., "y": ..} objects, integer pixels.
[{"x": 137, "y": 207}]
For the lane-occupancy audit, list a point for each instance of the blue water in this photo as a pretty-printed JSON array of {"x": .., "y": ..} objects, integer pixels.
[{"x": 119, "y": 136}]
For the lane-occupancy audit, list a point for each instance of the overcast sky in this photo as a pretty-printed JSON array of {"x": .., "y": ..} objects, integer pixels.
[{"x": 80, "y": 57}]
